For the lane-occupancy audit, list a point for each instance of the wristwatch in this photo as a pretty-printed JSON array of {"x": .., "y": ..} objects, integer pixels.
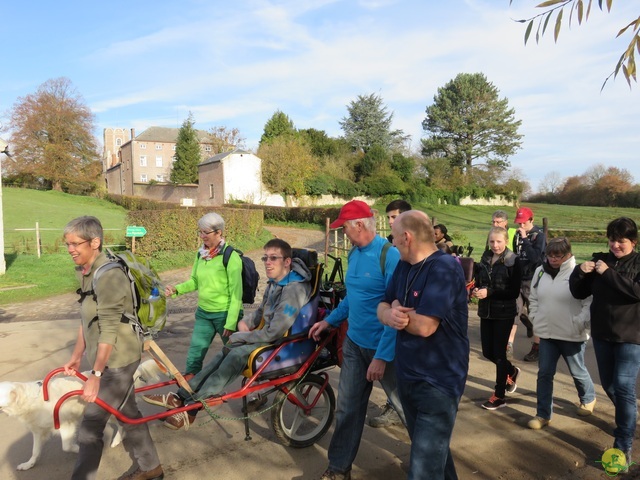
[{"x": 96, "y": 373}]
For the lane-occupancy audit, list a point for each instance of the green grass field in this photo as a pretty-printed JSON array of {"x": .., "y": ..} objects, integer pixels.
[{"x": 30, "y": 278}]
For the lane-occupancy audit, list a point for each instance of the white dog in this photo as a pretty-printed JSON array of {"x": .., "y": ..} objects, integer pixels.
[{"x": 25, "y": 401}]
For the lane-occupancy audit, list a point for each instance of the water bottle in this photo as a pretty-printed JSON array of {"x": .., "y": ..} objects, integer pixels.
[{"x": 155, "y": 295}]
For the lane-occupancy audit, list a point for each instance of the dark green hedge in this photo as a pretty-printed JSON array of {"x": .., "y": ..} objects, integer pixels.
[
  {"x": 314, "y": 215},
  {"x": 177, "y": 229}
]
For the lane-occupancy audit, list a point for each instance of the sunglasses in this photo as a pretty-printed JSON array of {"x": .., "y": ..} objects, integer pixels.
[{"x": 271, "y": 258}]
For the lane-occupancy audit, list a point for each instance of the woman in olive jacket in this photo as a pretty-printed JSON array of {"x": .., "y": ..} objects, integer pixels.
[
  {"x": 613, "y": 279},
  {"x": 498, "y": 277}
]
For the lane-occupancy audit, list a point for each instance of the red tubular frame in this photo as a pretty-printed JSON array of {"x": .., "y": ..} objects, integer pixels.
[{"x": 248, "y": 387}]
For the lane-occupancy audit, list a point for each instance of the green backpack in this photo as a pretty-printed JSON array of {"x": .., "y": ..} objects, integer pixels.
[{"x": 149, "y": 301}]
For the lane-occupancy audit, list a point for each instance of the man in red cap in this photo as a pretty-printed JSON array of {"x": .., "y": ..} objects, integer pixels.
[
  {"x": 529, "y": 244},
  {"x": 369, "y": 347}
]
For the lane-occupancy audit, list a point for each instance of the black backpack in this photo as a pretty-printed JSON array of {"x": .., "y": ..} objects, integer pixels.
[{"x": 250, "y": 276}]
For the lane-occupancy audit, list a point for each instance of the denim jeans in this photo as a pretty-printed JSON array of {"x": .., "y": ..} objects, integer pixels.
[
  {"x": 431, "y": 416},
  {"x": 573, "y": 354},
  {"x": 353, "y": 397},
  {"x": 618, "y": 365}
]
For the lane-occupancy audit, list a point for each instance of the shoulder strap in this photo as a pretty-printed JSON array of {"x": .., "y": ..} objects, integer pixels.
[
  {"x": 540, "y": 274},
  {"x": 383, "y": 257},
  {"x": 226, "y": 254}
]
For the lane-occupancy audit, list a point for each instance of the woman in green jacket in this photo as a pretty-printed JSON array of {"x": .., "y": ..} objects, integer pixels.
[{"x": 219, "y": 291}]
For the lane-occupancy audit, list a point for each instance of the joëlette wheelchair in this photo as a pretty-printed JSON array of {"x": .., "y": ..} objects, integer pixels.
[{"x": 294, "y": 368}]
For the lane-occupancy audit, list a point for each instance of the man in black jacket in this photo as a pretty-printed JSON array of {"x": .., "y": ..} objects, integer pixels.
[{"x": 529, "y": 243}]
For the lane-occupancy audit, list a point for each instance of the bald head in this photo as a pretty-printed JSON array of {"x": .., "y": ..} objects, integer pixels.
[{"x": 418, "y": 223}]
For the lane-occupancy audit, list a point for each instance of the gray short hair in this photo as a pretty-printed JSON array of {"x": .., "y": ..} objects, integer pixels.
[
  {"x": 85, "y": 227},
  {"x": 211, "y": 221},
  {"x": 500, "y": 214},
  {"x": 369, "y": 223}
]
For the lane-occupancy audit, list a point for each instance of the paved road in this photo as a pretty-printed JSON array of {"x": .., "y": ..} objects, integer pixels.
[{"x": 486, "y": 445}]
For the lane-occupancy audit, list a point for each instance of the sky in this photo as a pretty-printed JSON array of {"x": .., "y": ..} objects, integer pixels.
[{"x": 149, "y": 63}]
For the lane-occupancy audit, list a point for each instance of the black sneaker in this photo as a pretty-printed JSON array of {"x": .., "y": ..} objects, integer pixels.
[
  {"x": 533, "y": 355},
  {"x": 494, "y": 403},
  {"x": 511, "y": 381}
]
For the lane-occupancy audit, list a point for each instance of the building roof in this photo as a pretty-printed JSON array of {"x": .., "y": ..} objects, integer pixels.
[
  {"x": 168, "y": 135},
  {"x": 220, "y": 156}
]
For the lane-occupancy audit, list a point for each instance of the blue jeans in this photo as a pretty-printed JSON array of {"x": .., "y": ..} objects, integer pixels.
[
  {"x": 353, "y": 397},
  {"x": 618, "y": 365},
  {"x": 573, "y": 354},
  {"x": 431, "y": 416}
]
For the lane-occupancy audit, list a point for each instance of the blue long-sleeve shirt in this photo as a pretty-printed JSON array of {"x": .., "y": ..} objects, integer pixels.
[{"x": 366, "y": 287}]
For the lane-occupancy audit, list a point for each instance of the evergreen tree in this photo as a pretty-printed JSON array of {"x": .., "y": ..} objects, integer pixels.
[
  {"x": 279, "y": 125},
  {"x": 188, "y": 156},
  {"x": 369, "y": 124},
  {"x": 468, "y": 123}
]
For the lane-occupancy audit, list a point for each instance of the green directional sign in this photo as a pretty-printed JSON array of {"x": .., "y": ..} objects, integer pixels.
[{"x": 133, "y": 231}]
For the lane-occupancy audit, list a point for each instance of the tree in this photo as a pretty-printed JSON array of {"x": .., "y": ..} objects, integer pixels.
[
  {"x": 286, "y": 164},
  {"x": 52, "y": 138},
  {"x": 188, "y": 155},
  {"x": 468, "y": 123},
  {"x": 551, "y": 183},
  {"x": 277, "y": 126},
  {"x": 369, "y": 124},
  {"x": 576, "y": 7},
  {"x": 226, "y": 139}
]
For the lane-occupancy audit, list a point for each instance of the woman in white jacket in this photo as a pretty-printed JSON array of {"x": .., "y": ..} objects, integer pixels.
[{"x": 562, "y": 323}]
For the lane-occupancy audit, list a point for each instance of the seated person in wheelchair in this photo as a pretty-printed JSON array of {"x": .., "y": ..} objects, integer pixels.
[{"x": 288, "y": 290}]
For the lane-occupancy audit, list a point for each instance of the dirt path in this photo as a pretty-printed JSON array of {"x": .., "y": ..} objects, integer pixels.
[{"x": 39, "y": 336}]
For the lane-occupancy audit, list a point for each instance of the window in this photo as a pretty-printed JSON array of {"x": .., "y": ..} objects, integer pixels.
[
  {"x": 143, "y": 160},
  {"x": 207, "y": 148},
  {"x": 143, "y": 178},
  {"x": 118, "y": 142},
  {"x": 158, "y": 146},
  {"x": 160, "y": 178},
  {"x": 212, "y": 192},
  {"x": 174, "y": 148},
  {"x": 143, "y": 146},
  {"x": 158, "y": 160},
  {"x": 173, "y": 159}
]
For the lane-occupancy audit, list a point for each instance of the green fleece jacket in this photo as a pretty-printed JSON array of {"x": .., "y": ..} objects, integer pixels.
[
  {"x": 219, "y": 289},
  {"x": 101, "y": 318}
]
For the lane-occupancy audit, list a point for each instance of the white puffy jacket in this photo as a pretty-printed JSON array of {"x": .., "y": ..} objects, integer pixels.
[{"x": 553, "y": 310}]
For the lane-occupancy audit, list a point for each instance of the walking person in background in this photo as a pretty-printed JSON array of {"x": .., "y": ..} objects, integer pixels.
[
  {"x": 528, "y": 243},
  {"x": 501, "y": 219},
  {"x": 562, "y": 324},
  {"x": 113, "y": 349},
  {"x": 389, "y": 416},
  {"x": 432, "y": 350},
  {"x": 498, "y": 277},
  {"x": 441, "y": 237},
  {"x": 219, "y": 291},
  {"x": 613, "y": 278}
]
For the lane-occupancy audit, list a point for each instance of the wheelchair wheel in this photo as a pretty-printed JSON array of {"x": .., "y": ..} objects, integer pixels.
[{"x": 292, "y": 426}]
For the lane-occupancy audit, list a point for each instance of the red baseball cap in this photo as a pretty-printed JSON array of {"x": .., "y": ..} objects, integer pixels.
[
  {"x": 352, "y": 211},
  {"x": 523, "y": 215}
]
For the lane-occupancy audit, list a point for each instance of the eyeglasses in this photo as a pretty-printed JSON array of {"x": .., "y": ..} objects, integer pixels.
[
  {"x": 556, "y": 257},
  {"x": 271, "y": 258},
  {"x": 202, "y": 233},
  {"x": 75, "y": 245}
]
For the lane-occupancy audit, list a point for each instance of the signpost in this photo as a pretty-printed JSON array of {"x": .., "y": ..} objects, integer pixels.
[{"x": 135, "y": 232}]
